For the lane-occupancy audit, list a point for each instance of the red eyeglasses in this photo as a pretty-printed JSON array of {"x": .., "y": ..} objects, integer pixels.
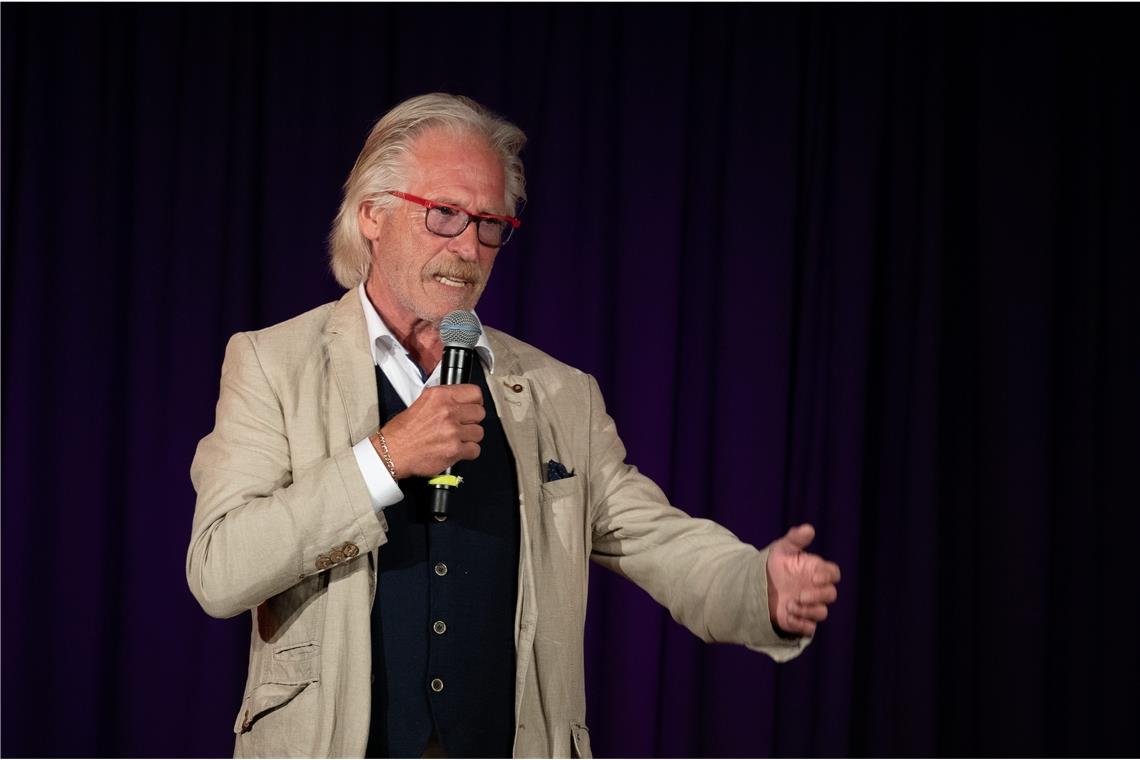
[{"x": 446, "y": 220}]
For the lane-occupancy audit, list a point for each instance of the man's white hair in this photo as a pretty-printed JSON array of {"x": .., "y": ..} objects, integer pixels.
[{"x": 382, "y": 164}]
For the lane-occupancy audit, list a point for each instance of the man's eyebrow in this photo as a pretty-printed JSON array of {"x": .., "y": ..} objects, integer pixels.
[{"x": 482, "y": 212}]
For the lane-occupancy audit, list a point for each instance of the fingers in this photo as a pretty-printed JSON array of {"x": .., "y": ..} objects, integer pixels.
[
  {"x": 816, "y": 613},
  {"x": 468, "y": 414},
  {"x": 800, "y": 536},
  {"x": 801, "y": 585},
  {"x": 471, "y": 433},
  {"x": 827, "y": 572},
  {"x": 821, "y": 595},
  {"x": 798, "y": 625},
  {"x": 469, "y": 438},
  {"x": 450, "y": 395},
  {"x": 440, "y": 428},
  {"x": 467, "y": 393}
]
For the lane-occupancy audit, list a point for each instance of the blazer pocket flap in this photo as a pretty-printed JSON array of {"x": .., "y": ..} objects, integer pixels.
[
  {"x": 292, "y": 664},
  {"x": 264, "y": 699}
]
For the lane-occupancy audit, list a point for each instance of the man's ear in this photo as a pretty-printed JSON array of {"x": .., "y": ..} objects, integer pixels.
[{"x": 370, "y": 217}]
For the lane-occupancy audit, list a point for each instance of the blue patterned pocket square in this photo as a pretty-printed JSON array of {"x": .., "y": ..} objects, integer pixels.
[{"x": 557, "y": 471}]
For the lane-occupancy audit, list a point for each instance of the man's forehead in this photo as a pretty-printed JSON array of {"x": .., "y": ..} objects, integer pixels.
[
  {"x": 443, "y": 161},
  {"x": 450, "y": 146}
]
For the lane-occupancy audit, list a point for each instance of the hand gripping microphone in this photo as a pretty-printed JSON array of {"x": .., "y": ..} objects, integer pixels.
[{"x": 459, "y": 331}]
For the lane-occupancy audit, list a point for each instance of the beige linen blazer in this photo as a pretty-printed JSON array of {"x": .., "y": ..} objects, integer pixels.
[{"x": 284, "y": 528}]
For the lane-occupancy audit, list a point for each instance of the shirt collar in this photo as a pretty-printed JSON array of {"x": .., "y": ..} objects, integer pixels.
[{"x": 380, "y": 338}]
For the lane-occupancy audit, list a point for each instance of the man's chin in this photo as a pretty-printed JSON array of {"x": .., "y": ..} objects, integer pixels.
[
  {"x": 462, "y": 299},
  {"x": 442, "y": 308}
]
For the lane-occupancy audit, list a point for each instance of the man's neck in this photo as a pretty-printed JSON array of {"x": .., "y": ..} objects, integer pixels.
[{"x": 419, "y": 337}]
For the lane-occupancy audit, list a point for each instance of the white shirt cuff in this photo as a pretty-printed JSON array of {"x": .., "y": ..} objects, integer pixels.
[{"x": 381, "y": 487}]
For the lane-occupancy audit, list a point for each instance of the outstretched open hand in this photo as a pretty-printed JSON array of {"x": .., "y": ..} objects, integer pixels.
[{"x": 800, "y": 585}]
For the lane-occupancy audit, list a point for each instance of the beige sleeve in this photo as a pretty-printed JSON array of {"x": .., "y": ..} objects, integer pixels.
[
  {"x": 259, "y": 530},
  {"x": 711, "y": 582}
]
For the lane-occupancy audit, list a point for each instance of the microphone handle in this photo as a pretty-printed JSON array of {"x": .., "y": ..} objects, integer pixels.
[{"x": 455, "y": 369}]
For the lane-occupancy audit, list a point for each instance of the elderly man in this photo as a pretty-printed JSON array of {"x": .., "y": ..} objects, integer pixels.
[{"x": 376, "y": 629}]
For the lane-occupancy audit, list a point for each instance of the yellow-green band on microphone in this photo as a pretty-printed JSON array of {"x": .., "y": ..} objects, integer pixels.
[{"x": 451, "y": 481}]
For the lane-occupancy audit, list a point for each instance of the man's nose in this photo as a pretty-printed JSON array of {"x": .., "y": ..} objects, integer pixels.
[{"x": 466, "y": 244}]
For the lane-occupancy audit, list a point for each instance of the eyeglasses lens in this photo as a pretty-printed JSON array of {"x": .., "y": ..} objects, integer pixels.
[
  {"x": 446, "y": 221},
  {"x": 450, "y": 222},
  {"x": 493, "y": 232}
]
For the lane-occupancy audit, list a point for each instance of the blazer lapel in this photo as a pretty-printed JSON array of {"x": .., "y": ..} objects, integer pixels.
[
  {"x": 514, "y": 402},
  {"x": 352, "y": 366},
  {"x": 354, "y": 375}
]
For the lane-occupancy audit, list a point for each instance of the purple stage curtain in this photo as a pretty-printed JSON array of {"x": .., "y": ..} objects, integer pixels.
[{"x": 873, "y": 267}]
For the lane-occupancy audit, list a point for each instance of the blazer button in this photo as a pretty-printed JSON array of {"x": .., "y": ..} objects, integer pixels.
[
  {"x": 337, "y": 556},
  {"x": 517, "y": 388},
  {"x": 324, "y": 563},
  {"x": 437, "y": 685},
  {"x": 439, "y": 627},
  {"x": 440, "y": 569},
  {"x": 350, "y": 550}
]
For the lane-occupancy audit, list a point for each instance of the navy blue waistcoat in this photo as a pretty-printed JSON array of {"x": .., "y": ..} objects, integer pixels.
[{"x": 443, "y": 649}]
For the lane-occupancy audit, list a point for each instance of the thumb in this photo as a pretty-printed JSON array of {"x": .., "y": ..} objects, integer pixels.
[{"x": 800, "y": 536}]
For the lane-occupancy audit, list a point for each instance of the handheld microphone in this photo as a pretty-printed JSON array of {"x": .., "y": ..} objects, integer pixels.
[{"x": 459, "y": 331}]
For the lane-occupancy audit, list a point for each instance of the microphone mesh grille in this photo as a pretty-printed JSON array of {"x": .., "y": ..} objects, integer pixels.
[{"x": 460, "y": 328}]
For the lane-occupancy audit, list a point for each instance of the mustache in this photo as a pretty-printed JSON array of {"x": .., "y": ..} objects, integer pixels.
[{"x": 458, "y": 270}]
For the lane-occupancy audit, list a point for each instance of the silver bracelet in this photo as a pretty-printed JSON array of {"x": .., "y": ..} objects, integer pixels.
[{"x": 386, "y": 455}]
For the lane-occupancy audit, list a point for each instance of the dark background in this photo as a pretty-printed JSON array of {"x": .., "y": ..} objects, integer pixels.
[{"x": 870, "y": 267}]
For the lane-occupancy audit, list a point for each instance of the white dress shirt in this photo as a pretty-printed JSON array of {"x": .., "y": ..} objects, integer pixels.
[{"x": 405, "y": 376}]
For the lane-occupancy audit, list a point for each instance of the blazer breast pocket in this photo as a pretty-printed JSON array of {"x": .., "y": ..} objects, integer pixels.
[
  {"x": 557, "y": 489},
  {"x": 563, "y": 511}
]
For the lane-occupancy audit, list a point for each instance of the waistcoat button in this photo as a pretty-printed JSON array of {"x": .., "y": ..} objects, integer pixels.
[
  {"x": 440, "y": 569},
  {"x": 439, "y": 627},
  {"x": 437, "y": 685}
]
